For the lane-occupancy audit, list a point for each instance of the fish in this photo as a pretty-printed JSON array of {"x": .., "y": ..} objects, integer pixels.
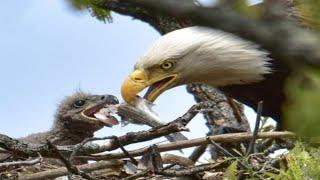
[
  {"x": 105, "y": 115},
  {"x": 140, "y": 112}
]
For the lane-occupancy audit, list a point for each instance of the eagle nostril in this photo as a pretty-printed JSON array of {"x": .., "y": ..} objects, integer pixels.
[
  {"x": 102, "y": 97},
  {"x": 137, "y": 79}
]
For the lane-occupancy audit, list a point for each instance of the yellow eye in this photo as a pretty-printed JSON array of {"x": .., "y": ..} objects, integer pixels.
[{"x": 167, "y": 65}]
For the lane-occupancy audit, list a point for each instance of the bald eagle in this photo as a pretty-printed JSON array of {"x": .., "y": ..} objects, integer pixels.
[{"x": 238, "y": 67}]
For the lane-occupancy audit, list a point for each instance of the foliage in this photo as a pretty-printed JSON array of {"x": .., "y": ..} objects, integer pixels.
[
  {"x": 231, "y": 172},
  {"x": 310, "y": 12},
  {"x": 302, "y": 112},
  {"x": 301, "y": 163},
  {"x": 93, "y": 6}
]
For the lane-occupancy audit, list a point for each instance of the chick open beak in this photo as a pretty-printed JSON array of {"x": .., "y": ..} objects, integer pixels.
[{"x": 138, "y": 80}]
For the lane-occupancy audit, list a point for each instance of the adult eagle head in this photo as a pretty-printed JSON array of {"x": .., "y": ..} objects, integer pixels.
[{"x": 198, "y": 55}]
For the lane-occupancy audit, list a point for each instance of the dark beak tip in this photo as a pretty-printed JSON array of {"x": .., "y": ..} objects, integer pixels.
[{"x": 112, "y": 99}]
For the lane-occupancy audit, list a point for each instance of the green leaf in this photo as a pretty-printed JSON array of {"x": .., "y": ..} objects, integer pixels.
[
  {"x": 231, "y": 173},
  {"x": 94, "y": 8},
  {"x": 302, "y": 163},
  {"x": 309, "y": 12},
  {"x": 272, "y": 175},
  {"x": 302, "y": 113}
]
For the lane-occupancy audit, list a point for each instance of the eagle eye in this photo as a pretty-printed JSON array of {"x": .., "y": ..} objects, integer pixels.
[
  {"x": 79, "y": 103},
  {"x": 167, "y": 65}
]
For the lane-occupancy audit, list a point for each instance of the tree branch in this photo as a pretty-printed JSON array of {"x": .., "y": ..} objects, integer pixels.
[
  {"x": 223, "y": 138},
  {"x": 162, "y": 23},
  {"x": 191, "y": 170},
  {"x": 22, "y": 163},
  {"x": 197, "y": 153},
  {"x": 256, "y": 129},
  {"x": 70, "y": 167},
  {"x": 283, "y": 39},
  {"x": 50, "y": 174},
  {"x": 138, "y": 116},
  {"x": 176, "y": 160}
]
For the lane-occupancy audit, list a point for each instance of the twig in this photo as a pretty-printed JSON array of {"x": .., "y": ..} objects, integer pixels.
[
  {"x": 151, "y": 160},
  {"x": 197, "y": 153},
  {"x": 85, "y": 141},
  {"x": 141, "y": 136},
  {"x": 72, "y": 169},
  {"x": 134, "y": 161},
  {"x": 22, "y": 163},
  {"x": 3, "y": 151},
  {"x": 22, "y": 149},
  {"x": 265, "y": 145},
  {"x": 177, "y": 160},
  {"x": 256, "y": 128},
  {"x": 191, "y": 170},
  {"x": 224, "y": 151},
  {"x": 51, "y": 174},
  {"x": 137, "y": 175},
  {"x": 169, "y": 166},
  {"x": 235, "y": 109},
  {"x": 223, "y": 138},
  {"x": 193, "y": 111},
  {"x": 140, "y": 117},
  {"x": 5, "y": 157}
]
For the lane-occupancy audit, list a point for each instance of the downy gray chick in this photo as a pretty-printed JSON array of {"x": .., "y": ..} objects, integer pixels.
[{"x": 77, "y": 117}]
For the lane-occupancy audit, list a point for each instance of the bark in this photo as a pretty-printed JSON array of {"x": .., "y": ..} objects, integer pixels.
[
  {"x": 50, "y": 174},
  {"x": 226, "y": 117}
]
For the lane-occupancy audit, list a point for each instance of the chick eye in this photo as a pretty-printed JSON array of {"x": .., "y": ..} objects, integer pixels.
[
  {"x": 79, "y": 103},
  {"x": 167, "y": 65}
]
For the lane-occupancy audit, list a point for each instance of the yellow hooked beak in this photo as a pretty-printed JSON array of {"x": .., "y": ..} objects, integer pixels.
[{"x": 138, "y": 80}]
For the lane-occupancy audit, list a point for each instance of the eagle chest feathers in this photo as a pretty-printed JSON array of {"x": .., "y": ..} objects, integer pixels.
[
  {"x": 270, "y": 91},
  {"x": 234, "y": 65}
]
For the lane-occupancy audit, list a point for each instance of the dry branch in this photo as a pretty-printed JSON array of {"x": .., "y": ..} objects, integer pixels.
[
  {"x": 137, "y": 175},
  {"x": 21, "y": 163},
  {"x": 191, "y": 170},
  {"x": 256, "y": 128},
  {"x": 70, "y": 167},
  {"x": 50, "y": 174},
  {"x": 223, "y": 138},
  {"x": 138, "y": 116},
  {"x": 197, "y": 153},
  {"x": 175, "y": 159}
]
